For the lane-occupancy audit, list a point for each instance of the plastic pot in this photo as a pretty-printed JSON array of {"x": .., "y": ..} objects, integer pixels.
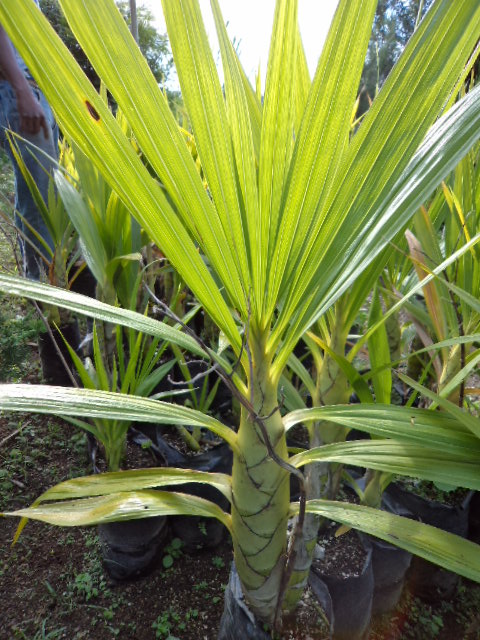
[
  {"x": 351, "y": 598},
  {"x": 53, "y": 368},
  {"x": 474, "y": 518},
  {"x": 390, "y": 565},
  {"x": 427, "y": 580},
  {"x": 129, "y": 548},
  {"x": 195, "y": 532},
  {"x": 238, "y": 622}
]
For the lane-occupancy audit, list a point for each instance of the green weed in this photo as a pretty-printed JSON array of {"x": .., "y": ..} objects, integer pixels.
[
  {"x": 41, "y": 634},
  {"x": 170, "y": 619},
  {"x": 218, "y": 562},
  {"x": 173, "y": 551}
]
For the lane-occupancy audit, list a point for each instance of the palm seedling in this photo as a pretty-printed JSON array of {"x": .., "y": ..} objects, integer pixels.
[
  {"x": 448, "y": 318},
  {"x": 136, "y": 370}
]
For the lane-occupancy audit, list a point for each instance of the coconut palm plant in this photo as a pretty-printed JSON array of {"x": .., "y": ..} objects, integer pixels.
[
  {"x": 447, "y": 313},
  {"x": 295, "y": 211},
  {"x": 59, "y": 265},
  {"x": 136, "y": 373},
  {"x": 109, "y": 238}
]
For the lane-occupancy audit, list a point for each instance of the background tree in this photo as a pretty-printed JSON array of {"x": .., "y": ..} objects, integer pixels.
[
  {"x": 133, "y": 19},
  {"x": 153, "y": 45},
  {"x": 393, "y": 25}
]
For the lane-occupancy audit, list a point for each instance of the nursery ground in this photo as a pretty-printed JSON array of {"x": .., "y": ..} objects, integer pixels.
[
  {"x": 52, "y": 583},
  {"x": 53, "y": 579}
]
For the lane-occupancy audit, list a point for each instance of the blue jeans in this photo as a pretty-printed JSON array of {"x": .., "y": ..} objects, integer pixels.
[{"x": 39, "y": 166}]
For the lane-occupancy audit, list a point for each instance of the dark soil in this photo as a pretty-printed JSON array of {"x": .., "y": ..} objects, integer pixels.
[
  {"x": 70, "y": 594},
  {"x": 430, "y": 491},
  {"x": 455, "y": 619},
  {"x": 344, "y": 554}
]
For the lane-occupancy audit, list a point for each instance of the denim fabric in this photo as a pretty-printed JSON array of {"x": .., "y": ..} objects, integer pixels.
[{"x": 40, "y": 168}]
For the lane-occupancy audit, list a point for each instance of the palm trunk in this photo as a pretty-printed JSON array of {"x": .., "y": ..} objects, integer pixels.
[
  {"x": 133, "y": 19},
  {"x": 261, "y": 494},
  {"x": 304, "y": 544},
  {"x": 332, "y": 388}
]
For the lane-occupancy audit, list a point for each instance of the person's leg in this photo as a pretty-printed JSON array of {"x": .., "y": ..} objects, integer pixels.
[{"x": 40, "y": 166}]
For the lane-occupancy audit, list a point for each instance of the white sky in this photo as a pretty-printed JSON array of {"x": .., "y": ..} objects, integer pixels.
[{"x": 250, "y": 21}]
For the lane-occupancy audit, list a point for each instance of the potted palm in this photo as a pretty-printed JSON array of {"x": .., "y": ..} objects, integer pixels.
[
  {"x": 59, "y": 269},
  {"x": 285, "y": 230},
  {"x": 447, "y": 325}
]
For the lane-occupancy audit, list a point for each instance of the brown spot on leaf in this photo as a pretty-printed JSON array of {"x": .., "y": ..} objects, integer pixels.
[{"x": 92, "y": 111}]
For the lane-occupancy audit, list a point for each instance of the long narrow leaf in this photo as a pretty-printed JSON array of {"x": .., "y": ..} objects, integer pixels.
[
  {"x": 472, "y": 423},
  {"x": 447, "y": 465},
  {"x": 130, "y": 505},
  {"x": 244, "y": 149},
  {"x": 447, "y": 550},
  {"x": 415, "y": 426},
  {"x": 377, "y": 193},
  {"x": 84, "y": 305},
  {"x": 323, "y": 136},
  {"x": 379, "y": 353},
  {"x": 205, "y": 104},
  {"x": 119, "y": 481},
  {"x": 277, "y": 125},
  {"x": 87, "y": 120},
  {"x": 102, "y": 404},
  {"x": 128, "y": 77}
]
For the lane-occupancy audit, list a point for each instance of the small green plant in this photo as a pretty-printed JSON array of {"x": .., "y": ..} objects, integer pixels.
[
  {"x": 85, "y": 587},
  {"x": 133, "y": 370},
  {"x": 5, "y": 483},
  {"x": 173, "y": 551},
  {"x": 163, "y": 624},
  {"x": 218, "y": 562},
  {"x": 109, "y": 614},
  {"x": 42, "y": 633},
  {"x": 423, "y": 623},
  {"x": 191, "y": 614},
  {"x": 171, "y": 618}
]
